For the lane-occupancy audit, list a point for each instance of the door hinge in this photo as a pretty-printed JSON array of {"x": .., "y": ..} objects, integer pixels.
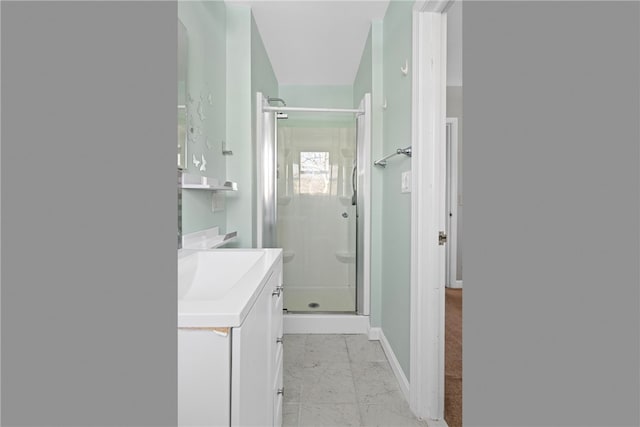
[{"x": 442, "y": 238}]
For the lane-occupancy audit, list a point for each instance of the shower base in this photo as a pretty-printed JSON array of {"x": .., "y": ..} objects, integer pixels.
[
  {"x": 335, "y": 313},
  {"x": 320, "y": 300}
]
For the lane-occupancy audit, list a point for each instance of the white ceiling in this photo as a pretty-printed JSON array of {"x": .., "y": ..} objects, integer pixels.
[{"x": 315, "y": 42}]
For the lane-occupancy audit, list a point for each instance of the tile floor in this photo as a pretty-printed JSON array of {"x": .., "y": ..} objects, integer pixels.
[{"x": 341, "y": 380}]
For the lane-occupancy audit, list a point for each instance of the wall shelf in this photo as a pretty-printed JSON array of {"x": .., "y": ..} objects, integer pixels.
[{"x": 197, "y": 182}]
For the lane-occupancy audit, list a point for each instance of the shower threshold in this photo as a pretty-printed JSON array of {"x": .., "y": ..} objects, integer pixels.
[
  {"x": 325, "y": 323},
  {"x": 328, "y": 313}
]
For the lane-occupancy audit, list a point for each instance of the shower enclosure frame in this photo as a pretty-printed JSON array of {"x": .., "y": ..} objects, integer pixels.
[{"x": 266, "y": 212}]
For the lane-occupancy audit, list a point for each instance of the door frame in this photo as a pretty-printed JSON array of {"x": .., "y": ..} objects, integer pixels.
[
  {"x": 452, "y": 193},
  {"x": 428, "y": 165},
  {"x": 364, "y": 164}
]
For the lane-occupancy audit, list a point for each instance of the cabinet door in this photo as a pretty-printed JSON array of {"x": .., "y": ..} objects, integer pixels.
[
  {"x": 251, "y": 401},
  {"x": 277, "y": 345},
  {"x": 278, "y": 396},
  {"x": 276, "y": 317},
  {"x": 203, "y": 378}
]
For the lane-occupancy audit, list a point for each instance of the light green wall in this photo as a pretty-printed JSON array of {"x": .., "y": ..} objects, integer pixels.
[
  {"x": 206, "y": 27},
  {"x": 377, "y": 152},
  {"x": 322, "y": 96},
  {"x": 369, "y": 80},
  {"x": 248, "y": 71},
  {"x": 396, "y": 206},
  {"x": 239, "y": 205},
  {"x": 363, "y": 81}
]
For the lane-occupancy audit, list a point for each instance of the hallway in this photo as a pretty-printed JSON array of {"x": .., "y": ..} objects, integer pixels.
[{"x": 453, "y": 358}]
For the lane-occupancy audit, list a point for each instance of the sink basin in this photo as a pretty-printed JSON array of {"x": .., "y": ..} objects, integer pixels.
[
  {"x": 210, "y": 275},
  {"x": 217, "y": 287}
]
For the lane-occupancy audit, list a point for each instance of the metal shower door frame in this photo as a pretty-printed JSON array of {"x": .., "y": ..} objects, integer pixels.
[{"x": 266, "y": 188}]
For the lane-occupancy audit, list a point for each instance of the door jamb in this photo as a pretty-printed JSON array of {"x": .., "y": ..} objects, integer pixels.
[
  {"x": 427, "y": 209},
  {"x": 452, "y": 190}
]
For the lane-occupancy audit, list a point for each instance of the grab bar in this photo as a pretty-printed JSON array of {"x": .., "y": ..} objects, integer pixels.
[
  {"x": 354, "y": 196},
  {"x": 383, "y": 161}
]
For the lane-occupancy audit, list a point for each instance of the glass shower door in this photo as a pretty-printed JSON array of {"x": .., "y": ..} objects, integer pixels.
[{"x": 317, "y": 217}]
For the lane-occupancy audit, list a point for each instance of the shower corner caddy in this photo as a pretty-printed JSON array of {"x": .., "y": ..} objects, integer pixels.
[
  {"x": 345, "y": 201},
  {"x": 346, "y": 257},
  {"x": 197, "y": 182}
]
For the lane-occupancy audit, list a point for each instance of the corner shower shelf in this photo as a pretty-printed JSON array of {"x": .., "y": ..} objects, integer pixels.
[
  {"x": 284, "y": 200},
  {"x": 346, "y": 257},
  {"x": 287, "y": 256},
  {"x": 196, "y": 182},
  {"x": 346, "y": 201}
]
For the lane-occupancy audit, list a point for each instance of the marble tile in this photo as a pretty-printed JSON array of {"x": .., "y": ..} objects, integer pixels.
[
  {"x": 290, "y": 414},
  {"x": 294, "y": 349},
  {"x": 376, "y": 384},
  {"x": 328, "y": 382},
  {"x": 323, "y": 348},
  {"x": 360, "y": 349},
  {"x": 398, "y": 415},
  {"x": 333, "y": 415},
  {"x": 292, "y": 378}
]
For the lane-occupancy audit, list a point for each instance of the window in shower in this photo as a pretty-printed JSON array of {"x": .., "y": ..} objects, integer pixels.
[{"x": 315, "y": 172}]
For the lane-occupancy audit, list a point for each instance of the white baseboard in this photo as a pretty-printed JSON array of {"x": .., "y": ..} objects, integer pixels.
[
  {"x": 393, "y": 361},
  {"x": 374, "y": 334},
  {"x": 325, "y": 324},
  {"x": 456, "y": 285},
  {"x": 377, "y": 334}
]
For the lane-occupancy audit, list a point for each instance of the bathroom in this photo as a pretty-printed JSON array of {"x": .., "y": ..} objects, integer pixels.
[
  {"x": 89, "y": 212},
  {"x": 339, "y": 179}
]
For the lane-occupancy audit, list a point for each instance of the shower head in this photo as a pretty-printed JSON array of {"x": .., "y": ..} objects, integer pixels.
[{"x": 270, "y": 99}]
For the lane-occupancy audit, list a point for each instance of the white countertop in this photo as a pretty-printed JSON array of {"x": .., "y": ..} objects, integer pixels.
[{"x": 221, "y": 290}]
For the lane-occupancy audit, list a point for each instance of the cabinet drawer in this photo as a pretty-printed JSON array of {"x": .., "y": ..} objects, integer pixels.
[{"x": 277, "y": 320}]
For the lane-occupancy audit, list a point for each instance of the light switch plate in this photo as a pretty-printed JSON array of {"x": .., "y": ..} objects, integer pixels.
[{"x": 406, "y": 182}]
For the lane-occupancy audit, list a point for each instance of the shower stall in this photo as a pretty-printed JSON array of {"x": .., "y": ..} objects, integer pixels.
[{"x": 313, "y": 167}]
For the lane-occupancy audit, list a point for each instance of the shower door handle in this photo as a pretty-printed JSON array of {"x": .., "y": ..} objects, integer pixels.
[{"x": 354, "y": 196}]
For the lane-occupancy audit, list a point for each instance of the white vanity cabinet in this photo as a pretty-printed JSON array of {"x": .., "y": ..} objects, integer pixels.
[{"x": 232, "y": 376}]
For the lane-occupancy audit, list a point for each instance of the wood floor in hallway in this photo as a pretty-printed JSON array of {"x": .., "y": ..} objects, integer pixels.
[{"x": 453, "y": 358}]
